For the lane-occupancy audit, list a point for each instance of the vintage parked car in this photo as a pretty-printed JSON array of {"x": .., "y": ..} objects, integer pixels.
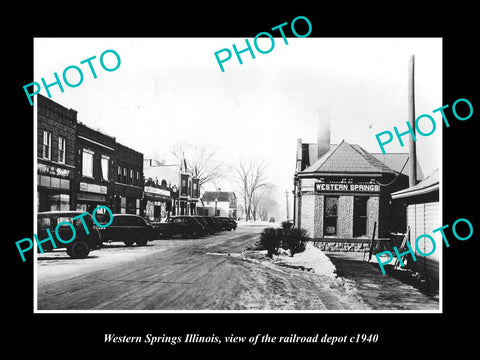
[
  {"x": 183, "y": 225},
  {"x": 227, "y": 222},
  {"x": 129, "y": 229},
  {"x": 81, "y": 245},
  {"x": 215, "y": 223},
  {"x": 209, "y": 228}
]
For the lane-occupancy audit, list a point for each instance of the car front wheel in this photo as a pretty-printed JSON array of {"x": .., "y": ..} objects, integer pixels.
[
  {"x": 78, "y": 250},
  {"x": 142, "y": 242}
]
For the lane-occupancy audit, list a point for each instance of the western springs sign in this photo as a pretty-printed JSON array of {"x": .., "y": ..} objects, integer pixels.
[{"x": 344, "y": 186}]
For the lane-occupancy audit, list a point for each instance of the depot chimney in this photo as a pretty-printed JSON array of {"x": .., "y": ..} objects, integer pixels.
[{"x": 323, "y": 136}]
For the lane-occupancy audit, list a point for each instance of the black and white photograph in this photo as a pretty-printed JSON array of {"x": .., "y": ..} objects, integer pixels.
[
  {"x": 262, "y": 187},
  {"x": 214, "y": 181}
]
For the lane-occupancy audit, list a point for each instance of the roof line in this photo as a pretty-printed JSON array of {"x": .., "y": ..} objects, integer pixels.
[
  {"x": 330, "y": 153},
  {"x": 421, "y": 191}
]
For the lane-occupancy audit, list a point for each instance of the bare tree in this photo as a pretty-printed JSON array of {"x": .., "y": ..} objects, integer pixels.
[
  {"x": 264, "y": 203},
  {"x": 250, "y": 177},
  {"x": 157, "y": 159},
  {"x": 201, "y": 160}
]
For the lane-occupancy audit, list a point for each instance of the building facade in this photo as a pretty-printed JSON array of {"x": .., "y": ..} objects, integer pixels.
[
  {"x": 129, "y": 181},
  {"x": 94, "y": 183},
  {"x": 79, "y": 168},
  {"x": 157, "y": 199},
  {"x": 189, "y": 192},
  {"x": 56, "y": 138},
  {"x": 219, "y": 203},
  {"x": 180, "y": 181}
]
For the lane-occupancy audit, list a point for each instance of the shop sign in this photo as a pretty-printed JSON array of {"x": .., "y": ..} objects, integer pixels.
[
  {"x": 93, "y": 188},
  {"x": 157, "y": 191},
  {"x": 346, "y": 187},
  {"x": 53, "y": 170}
]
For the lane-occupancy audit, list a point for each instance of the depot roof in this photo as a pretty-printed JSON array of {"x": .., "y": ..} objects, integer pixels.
[{"x": 348, "y": 158}]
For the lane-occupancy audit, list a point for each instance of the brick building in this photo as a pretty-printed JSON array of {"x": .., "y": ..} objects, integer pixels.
[
  {"x": 56, "y": 138},
  {"x": 94, "y": 182},
  {"x": 79, "y": 168},
  {"x": 129, "y": 181}
]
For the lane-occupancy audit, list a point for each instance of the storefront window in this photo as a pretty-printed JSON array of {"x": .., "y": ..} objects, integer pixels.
[
  {"x": 59, "y": 202},
  {"x": 360, "y": 217},
  {"x": 81, "y": 207},
  {"x": 330, "y": 216}
]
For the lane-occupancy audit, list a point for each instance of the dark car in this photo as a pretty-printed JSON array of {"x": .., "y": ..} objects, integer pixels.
[
  {"x": 210, "y": 226},
  {"x": 215, "y": 223},
  {"x": 129, "y": 229},
  {"x": 227, "y": 222},
  {"x": 183, "y": 225},
  {"x": 81, "y": 245}
]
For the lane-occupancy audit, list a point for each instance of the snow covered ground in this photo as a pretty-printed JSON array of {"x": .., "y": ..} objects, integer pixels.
[{"x": 312, "y": 259}]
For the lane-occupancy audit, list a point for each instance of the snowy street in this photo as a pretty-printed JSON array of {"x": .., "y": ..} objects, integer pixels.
[{"x": 210, "y": 273}]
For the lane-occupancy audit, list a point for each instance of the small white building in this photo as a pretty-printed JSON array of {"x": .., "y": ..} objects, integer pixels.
[
  {"x": 423, "y": 216},
  {"x": 219, "y": 203}
]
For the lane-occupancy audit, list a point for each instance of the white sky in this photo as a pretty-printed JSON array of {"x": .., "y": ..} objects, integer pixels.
[{"x": 168, "y": 90}]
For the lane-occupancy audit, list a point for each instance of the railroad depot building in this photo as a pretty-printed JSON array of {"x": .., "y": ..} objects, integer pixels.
[{"x": 342, "y": 193}]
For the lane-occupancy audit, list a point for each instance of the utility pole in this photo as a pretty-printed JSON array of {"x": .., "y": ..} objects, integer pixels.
[
  {"x": 411, "y": 119},
  {"x": 286, "y": 198}
]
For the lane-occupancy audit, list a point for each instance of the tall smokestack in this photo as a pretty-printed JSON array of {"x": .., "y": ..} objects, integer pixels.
[
  {"x": 298, "y": 165},
  {"x": 411, "y": 119},
  {"x": 323, "y": 135}
]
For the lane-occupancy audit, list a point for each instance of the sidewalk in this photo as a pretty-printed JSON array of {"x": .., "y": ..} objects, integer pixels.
[{"x": 381, "y": 292}]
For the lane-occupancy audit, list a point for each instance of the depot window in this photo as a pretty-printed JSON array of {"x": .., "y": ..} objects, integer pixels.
[
  {"x": 360, "y": 216},
  {"x": 330, "y": 216}
]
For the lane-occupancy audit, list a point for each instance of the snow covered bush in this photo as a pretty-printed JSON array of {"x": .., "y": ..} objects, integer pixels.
[
  {"x": 294, "y": 240},
  {"x": 270, "y": 240}
]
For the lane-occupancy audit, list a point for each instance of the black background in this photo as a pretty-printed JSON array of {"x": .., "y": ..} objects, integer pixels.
[{"x": 66, "y": 334}]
